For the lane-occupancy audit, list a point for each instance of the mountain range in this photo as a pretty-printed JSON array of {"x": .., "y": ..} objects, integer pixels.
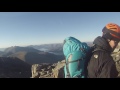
[
  {"x": 35, "y": 54},
  {"x": 31, "y": 55},
  {"x": 56, "y": 48}
]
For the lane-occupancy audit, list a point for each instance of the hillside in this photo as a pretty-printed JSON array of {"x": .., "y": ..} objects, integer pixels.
[
  {"x": 1, "y": 52},
  {"x": 36, "y": 58},
  {"x": 14, "y": 68}
]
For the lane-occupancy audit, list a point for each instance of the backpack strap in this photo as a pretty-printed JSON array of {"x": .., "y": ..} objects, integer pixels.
[
  {"x": 68, "y": 73},
  {"x": 98, "y": 50},
  {"x": 67, "y": 65},
  {"x": 67, "y": 69}
]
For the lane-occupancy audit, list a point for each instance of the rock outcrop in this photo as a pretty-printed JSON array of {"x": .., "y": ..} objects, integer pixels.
[
  {"x": 48, "y": 70},
  {"x": 42, "y": 70},
  {"x": 116, "y": 58},
  {"x": 58, "y": 71}
]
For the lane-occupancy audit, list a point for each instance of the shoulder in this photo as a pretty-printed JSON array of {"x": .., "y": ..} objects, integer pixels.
[
  {"x": 102, "y": 55},
  {"x": 101, "y": 52}
]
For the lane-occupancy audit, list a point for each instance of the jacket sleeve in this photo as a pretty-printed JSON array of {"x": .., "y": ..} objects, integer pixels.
[
  {"x": 113, "y": 72},
  {"x": 108, "y": 70}
]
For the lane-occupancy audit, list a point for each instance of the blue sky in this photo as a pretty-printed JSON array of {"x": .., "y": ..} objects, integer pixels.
[{"x": 35, "y": 28}]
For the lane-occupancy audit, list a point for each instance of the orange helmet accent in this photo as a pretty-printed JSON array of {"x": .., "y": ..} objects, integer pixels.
[{"x": 113, "y": 29}]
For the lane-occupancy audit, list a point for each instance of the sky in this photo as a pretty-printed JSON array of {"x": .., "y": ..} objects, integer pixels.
[{"x": 35, "y": 28}]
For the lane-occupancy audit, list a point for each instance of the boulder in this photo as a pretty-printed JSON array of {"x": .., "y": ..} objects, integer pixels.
[{"x": 58, "y": 71}]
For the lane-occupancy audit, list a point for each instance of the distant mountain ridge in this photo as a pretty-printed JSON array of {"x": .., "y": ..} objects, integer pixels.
[
  {"x": 2, "y": 49},
  {"x": 48, "y": 47},
  {"x": 34, "y": 54},
  {"x": 53, "y": 48},
  {"x": 11, "y": 50},
  {"x": 45, "y": 47},
  {"x": 18, "y": 48},
  {"x": 31, "y": 55}
]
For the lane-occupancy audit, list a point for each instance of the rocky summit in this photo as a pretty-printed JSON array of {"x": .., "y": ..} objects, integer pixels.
[
  {"x": 56, "y": 70},
  {"x": 48, "y": 70}
]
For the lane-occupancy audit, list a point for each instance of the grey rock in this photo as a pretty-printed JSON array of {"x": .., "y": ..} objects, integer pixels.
[{"x": 58, "y": 71}]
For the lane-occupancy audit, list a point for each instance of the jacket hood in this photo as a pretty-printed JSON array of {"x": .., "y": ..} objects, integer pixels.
[{"x": 102, "y": 43}]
